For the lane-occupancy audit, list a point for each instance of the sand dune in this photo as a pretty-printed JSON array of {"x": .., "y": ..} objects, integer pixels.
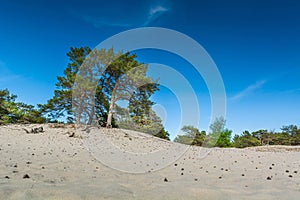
[{"x": 121, "y": 164}]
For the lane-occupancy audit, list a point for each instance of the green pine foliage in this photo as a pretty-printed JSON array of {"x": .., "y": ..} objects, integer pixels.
[
  {"x": 218, "y": 136},
  {"x": 245, "y": 140},
  {"x": 290, "y": 135},
  {"x": 111, "y": 76},
  {"x": 17, "y": 112},
  {"x": 146, "y": 123},
  {"x": 192, "y": 136},
  {"x": 60, "y": 105}
]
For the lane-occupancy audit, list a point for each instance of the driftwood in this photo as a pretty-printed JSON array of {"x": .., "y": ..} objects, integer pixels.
[{"x": 34, "y": 130}]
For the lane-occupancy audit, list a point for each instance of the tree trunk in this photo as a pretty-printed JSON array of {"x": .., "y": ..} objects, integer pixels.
[
  {"x": 92, "y": 112},
  {"x": 80, "y": 109},
  {"x": 110, "y": 112},
  {"x": 111, "y": 106}
]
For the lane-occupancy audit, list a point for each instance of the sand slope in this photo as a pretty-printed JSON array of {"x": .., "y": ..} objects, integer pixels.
[{"x": 60, "y": 167}]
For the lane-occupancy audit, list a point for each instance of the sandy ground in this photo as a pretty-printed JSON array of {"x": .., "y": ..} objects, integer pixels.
[{"x": 120, "y": 164}]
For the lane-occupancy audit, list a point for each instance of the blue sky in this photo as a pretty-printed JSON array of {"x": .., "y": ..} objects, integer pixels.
[{"x": 255, "y": 45}]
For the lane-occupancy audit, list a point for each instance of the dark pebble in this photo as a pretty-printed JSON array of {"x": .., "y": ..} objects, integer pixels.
[
  {"x": 287, "y": 171},
  {"x": 243, "y": 174},
  {"x": 182, "y": 169},
  {"x": 7, "y": 177},
  {"x": 175, "y": 164},
  {"x": 182, "y": 174},
  {"x": 269, "y": 178},
  {"x": 26, "y": 176},
  {"x": 165, "y": 180},
  {"x": 290, "y": 176}
]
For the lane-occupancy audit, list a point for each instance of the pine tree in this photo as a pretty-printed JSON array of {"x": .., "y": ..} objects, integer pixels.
[
  {"x": 218, "y": 136},
  {"x": 123, "y": 76},
  {"x": 60, "y": 105},
  {"x": 192, "y": 136},
  {"x": 17, "y": 112}
]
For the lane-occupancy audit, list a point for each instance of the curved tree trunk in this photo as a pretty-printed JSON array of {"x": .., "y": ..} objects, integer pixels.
[{"x": 110, "y": 112}]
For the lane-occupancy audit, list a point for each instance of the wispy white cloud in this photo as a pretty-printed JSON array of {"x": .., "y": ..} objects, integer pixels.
[
  {"x": 143, "y": 13},
  {"x": 154, "y": 13},
  {"x": 157, "y": 9},
  {"x": 249, "y": 90}
]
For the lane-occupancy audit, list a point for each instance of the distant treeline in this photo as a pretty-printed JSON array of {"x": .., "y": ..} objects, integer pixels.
[
  {"x": 218, "y": 136},
  {"x": 289, "y": 135}
]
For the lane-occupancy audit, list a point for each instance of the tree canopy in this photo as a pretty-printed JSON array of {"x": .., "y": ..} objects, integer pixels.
[
  {"x": 60, "y": 105},
  {"x": 92, "y": 84},
  {"x": 17, "y": 112},
  {"x": 192, "y": 136},
  {"x": 289, "y": 135},
  {"x": 218, "y": 136}
]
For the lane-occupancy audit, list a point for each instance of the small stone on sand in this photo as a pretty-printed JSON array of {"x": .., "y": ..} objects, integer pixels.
[{"x": 26, "y": 176}]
